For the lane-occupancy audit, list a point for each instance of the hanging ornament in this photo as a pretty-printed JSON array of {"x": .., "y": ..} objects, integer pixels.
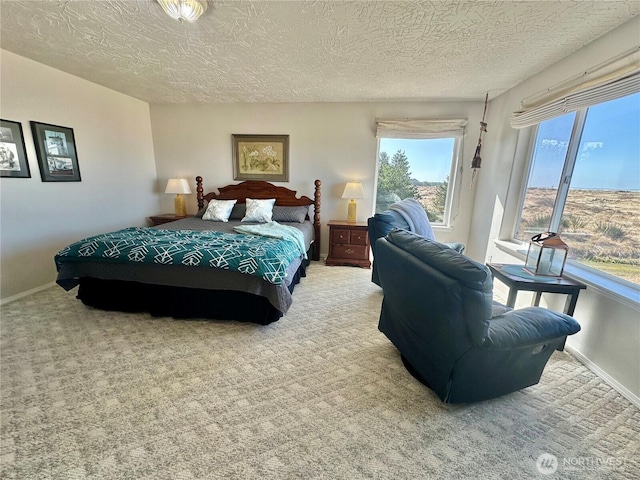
[{"x": 476, "y": 162}]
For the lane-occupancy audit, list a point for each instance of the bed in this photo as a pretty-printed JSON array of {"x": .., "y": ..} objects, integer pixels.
[{"x": 163, "y": 286}]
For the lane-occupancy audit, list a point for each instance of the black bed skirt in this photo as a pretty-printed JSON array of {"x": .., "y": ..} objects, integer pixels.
[{"x": 181, "y": 302}]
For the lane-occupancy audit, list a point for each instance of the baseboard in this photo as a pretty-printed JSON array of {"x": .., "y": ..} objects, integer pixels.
[
  {"x": 612, "y": 382},
  {"x": 4, "y": 301}
]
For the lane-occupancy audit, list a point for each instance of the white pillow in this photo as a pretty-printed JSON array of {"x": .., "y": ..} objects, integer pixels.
[
  {"x": 259, "y": 210},
  {"x": 219, "y": 210}
]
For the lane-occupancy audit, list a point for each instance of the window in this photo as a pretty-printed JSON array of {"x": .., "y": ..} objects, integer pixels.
[
  {"x": 584, "y": 182},
  {"x": 420, "y": 169},
  {"x": 419, "y": 159}
]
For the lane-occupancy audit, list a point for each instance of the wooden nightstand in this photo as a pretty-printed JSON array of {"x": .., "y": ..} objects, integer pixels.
[
  {"x": 164, "y": 218},
  {"x": 348, "y": 244}
]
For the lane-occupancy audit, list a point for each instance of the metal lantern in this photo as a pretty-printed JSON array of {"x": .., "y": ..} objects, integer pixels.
[{"x": 547, "y": 255}]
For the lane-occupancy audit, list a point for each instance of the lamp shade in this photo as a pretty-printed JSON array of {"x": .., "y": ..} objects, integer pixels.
[
  {"x": 188, "y": 10},
  {"x": 178, "y": 185},
  {"x": 353, "y": 190}
]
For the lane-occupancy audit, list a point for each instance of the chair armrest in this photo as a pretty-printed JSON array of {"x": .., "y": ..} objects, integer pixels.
[{"x": 527, "y": 327}]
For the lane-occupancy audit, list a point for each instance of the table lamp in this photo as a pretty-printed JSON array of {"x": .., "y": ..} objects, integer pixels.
[
  {"x": 352, "y": 190},
  {"x": 178, "y": 186}
]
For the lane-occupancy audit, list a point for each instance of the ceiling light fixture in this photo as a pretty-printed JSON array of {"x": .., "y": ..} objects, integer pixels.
[{"x": 189, "y": 10}]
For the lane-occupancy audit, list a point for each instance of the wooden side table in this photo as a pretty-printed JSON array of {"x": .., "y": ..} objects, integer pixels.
[
  {"x": 348, "y": 244},
  {"x": 165, "y": 218},
  {"x": 529, "y": 283}
]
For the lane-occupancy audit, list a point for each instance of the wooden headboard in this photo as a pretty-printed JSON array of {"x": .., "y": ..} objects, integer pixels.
[{"x": 261, "y": 189}]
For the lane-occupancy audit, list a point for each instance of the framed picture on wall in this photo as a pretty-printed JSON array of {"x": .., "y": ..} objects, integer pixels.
[
  {"x": 56, "y": 151},
  {"x": 13, "y": 156},
  {"x": 261, "y": 157}
]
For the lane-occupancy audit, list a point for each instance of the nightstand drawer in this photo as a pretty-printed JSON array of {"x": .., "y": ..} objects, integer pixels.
[
  {"x": 358, "y": 252},
  {"x": 359, "y": 238},
  {"x": 340, "y": 235}
]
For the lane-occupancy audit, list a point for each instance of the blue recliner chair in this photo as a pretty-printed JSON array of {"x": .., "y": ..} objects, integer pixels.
[
  {"x": 406, "y": 214},
  {"x": 438, "y": 311}
]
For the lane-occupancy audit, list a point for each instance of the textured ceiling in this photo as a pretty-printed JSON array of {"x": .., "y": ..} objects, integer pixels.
[{"x": 307, "y": 51}]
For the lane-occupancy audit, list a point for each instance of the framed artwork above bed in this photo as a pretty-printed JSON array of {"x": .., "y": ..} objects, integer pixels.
[{"x": 261, "y": 157}]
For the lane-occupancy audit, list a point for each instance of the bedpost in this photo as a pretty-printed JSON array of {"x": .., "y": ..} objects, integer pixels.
[
  {"x": 199, "y": 192},
  {"x": 316, "y": 220}
]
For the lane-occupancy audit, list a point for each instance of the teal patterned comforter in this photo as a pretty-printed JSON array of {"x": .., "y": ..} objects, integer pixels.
[{"x": 263, "y": 257}]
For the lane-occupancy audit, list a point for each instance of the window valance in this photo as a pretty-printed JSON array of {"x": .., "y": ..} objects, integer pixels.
[
  {"x": 615, "y": 79},
  {"x": 420, "y": 128}
]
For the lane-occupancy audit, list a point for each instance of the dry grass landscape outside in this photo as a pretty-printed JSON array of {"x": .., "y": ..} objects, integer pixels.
[
  {"x": 601, "y": 227},
  {"x": 427, "y": 196}
]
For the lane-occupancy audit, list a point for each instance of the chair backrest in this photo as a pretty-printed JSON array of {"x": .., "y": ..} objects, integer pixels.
[
  {"x": 458, "y": 286},
  {"x": 382, "y": 223}
]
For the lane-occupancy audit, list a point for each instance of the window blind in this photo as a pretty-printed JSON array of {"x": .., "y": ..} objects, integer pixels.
[
  {"x": 420, "y": 128},
  {"x": 616, "y": 79}
]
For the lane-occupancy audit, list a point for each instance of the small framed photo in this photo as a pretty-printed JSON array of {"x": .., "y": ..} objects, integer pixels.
[
  {"x": 56, "y": 151},
  {"x": 261, "y": 157},
  {"x": 13, "y": 156}
]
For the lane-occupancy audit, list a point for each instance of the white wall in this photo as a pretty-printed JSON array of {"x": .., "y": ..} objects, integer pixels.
[
  {"x": 115, "y": 156},
  {"x": 610, "y": 336},
  {"x": 333, "y": 142}
]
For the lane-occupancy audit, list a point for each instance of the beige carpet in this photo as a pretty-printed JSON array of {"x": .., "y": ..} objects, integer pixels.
[{"x": 319, "y": 394}]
